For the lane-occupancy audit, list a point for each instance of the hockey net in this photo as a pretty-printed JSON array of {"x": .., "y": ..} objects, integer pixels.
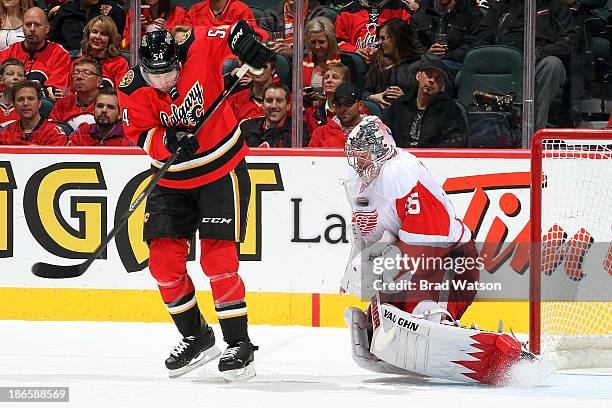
[{"x": 571, "y": 256}]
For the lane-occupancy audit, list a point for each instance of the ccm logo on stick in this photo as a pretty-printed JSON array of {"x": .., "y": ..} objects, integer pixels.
[{"x": 206, "y": 220}]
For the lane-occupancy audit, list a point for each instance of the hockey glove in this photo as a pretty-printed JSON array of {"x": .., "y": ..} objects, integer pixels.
[
  {"x": 244, "y": 44},
  {"x": 184, "y": 142}
]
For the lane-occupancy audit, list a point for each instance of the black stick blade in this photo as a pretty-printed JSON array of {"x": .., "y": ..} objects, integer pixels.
[{"x": 45, "y": 270}]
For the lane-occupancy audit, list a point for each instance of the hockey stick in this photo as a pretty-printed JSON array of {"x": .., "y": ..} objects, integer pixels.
[{"x": 46, "y": 270}]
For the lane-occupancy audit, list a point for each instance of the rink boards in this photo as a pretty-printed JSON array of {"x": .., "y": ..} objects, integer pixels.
[{"x": 56, "y": 204}]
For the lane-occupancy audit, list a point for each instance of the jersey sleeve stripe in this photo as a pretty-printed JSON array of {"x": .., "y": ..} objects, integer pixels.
[{"x": 219, "y": 151}]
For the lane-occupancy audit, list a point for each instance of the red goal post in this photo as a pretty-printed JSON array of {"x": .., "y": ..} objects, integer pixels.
[{"x": 570, "y": 303}]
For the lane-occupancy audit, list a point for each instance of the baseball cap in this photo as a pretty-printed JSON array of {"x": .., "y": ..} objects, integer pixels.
[
  {"x": 348, "y": 91},
  {"x": 433, "y": 62}
]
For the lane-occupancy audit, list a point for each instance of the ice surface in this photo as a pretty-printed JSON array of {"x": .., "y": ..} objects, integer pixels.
[{"x": 121, "y": 365}]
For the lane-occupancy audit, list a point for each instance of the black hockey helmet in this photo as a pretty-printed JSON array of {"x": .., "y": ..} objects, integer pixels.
[{"x": 158, "y": 52}]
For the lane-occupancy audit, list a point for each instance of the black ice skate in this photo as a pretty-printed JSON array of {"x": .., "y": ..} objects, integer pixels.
[
  {"x": 192, "y": 352},
  {"x": 236, "y": 363}
]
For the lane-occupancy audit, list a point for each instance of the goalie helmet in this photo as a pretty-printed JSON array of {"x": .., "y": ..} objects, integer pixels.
[{"x": 368, "y": 146}]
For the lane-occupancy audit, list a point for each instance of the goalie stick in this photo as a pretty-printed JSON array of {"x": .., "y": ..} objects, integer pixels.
[{"x": 50, "y": 271}]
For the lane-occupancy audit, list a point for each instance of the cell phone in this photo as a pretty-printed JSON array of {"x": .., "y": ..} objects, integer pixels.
[{"x": 308, "y": 89}]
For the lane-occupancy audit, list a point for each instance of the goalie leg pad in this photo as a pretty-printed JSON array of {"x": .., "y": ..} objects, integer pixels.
[
  {"x": 359, "y": 324},
  {"x": 441, "y": 350}
]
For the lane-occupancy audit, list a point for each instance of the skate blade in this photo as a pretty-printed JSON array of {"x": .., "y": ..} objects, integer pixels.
[
  {"x": 239, "y": 374},
  {"x": 205, "y": 357}
]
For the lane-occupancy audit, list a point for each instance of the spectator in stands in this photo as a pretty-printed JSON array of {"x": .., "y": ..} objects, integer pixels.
[
  {"x": 356, "y": 26},
  {"x": 279, "y": 23},
  {"x": 101, "y": 42},
  {"x": 248, "y": 103},
  {"x": 395, "y": 64},
  {"x": 77, "y": 108},
  {"x": 348, "y": 106},
  {"x": 107, "y": 129},
  {"x": 320, "y": 41},
  {"x": 12, "y": 72},
  {"x": 68, "y": 21},
  {"x": 218, "y": 12},
  {"x": 428, "y": 117},
  {"x": 335, "y": 74},
  {"x": 11, "y": 15},
  {"x": 582, "y": 57},
  {"x": 31, "y": 128},
  {"x": 445, "y": 28},
  {"x": 555, "y": 38},
  {"x": 159, "y": 15},
  {"x": 45, "y": 61},
  {"x": 273, "y": 129}
]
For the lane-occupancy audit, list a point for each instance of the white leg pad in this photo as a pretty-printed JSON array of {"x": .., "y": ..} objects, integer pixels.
[{"x": 358, "y": 324}]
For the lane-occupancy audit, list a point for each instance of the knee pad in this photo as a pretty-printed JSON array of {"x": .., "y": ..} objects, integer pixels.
[
  {"x": 167, "y": 264},
  {"x": 219, "y": 261}
]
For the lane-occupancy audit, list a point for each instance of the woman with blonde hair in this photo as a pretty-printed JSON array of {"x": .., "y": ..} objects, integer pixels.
[
  {"x": 101, "y": 42},
  {"x": 11, "y": 17},
  {"x": 322, "y": 47}
]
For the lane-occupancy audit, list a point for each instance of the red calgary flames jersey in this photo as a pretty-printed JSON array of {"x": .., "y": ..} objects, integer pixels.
[
  {"x": 356, "y": 25},
  {"x": 49, "y": 65},
  {"x": 147, "y": 113}
]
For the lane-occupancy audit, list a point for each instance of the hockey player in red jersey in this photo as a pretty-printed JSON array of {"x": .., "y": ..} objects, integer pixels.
[
  {"x": 408, "y": 242},
  {"x": 206, "y": 189}
]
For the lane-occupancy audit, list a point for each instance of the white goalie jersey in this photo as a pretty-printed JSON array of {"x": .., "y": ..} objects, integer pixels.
[{"x": 406, "y": 201}]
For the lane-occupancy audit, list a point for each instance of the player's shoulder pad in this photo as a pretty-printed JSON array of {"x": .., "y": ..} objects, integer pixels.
[
  {"x": 400, "y": 174},
  {"x": 183, "y": 44},
  {"x": 131, "y": 81}
]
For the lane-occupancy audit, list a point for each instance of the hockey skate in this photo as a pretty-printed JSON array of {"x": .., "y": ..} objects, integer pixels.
[
  {"x": 237, "y": 362},
  {"x": 192, "y": 352}
]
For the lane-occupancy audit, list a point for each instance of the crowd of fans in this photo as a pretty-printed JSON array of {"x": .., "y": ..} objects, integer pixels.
[{"x": 403, "y": 60}]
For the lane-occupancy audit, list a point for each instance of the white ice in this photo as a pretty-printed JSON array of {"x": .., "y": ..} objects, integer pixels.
[{"x": 121, "y": 365}]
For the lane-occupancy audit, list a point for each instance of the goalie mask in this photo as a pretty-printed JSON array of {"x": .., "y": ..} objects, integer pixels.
[{"x": 368, "y": 146}]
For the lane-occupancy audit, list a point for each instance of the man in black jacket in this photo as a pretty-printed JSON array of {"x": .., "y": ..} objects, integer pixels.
[
  {"x": 555, "y": 35},
  {"x": 273, "y": 129},
  {"x": 428, "y": 117},
  {"x": 454, "y": 19},
  {"x": 68, "y": 20}
]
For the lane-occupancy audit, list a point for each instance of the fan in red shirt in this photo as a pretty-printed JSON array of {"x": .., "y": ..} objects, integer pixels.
[
  {"x": 357, "y": 23},
  {"x": 45, "y": 61},
  {"x": 335, "y": 74},
  {"x": 12, "y": 71},
  {"x": 77, "y": 108},
  {"x": 212, "y": 13},
  {"x": 248, "y": 103},
  {"x": 155, "y": 15},
  {"x": 107, "y": 131},
  {"x": 347, "y": 104},
  {"x": 101, "y": 42},
  {"x": 31, "y": 128}
]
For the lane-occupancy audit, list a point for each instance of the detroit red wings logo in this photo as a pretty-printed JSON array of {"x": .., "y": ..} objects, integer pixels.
[{"x": 366, "y": 221}]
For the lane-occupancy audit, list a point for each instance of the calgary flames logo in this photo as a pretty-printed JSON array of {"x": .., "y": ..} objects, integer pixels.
[{"x": 187, "y": 113}]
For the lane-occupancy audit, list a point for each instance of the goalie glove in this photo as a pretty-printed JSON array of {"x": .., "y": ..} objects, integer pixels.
[
  {"x": 367, "y": 265},
  {"x": 244, "y": 45}
]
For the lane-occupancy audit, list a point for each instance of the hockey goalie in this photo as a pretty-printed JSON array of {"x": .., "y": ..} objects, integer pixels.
[{"x": 415, "y": 259}]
